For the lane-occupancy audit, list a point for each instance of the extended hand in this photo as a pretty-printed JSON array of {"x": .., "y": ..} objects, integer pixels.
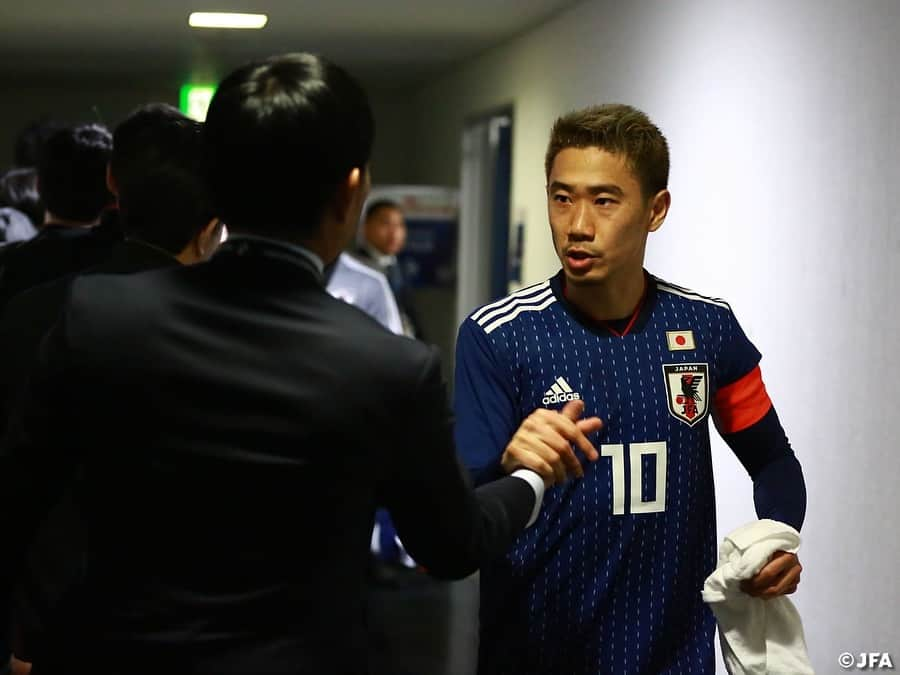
[
  {"x": 780, "y": 576},
  {"x": 543, "y": 443},
  {"x": 18, "y": 667}
]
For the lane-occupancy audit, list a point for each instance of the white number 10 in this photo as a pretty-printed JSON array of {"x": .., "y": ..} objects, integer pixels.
[{"x": 637, "y": 451}]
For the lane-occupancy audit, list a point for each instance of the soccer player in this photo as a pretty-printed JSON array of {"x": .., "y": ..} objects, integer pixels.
[{"x": 609, "y": 579}]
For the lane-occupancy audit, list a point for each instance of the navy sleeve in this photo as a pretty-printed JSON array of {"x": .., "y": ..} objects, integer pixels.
[
  {"x": 484, "y": 403},
  {"x": 748, "y": 423},
  {"x": 779, "y": 491}
]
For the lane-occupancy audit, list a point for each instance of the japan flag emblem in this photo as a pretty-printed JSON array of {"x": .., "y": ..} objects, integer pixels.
[
  {"x": 687, "y": 386},
  {"x": 680, "y": 340}
]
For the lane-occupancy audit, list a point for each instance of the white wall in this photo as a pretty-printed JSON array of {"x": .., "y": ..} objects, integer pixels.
[{"x": 783, "y": 124}]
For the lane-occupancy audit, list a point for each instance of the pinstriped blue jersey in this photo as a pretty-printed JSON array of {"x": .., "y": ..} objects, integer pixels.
[{"x": 608, "y": 579}]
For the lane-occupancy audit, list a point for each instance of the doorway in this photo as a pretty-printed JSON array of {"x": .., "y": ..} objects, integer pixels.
[{"x": 484, "y": 211}]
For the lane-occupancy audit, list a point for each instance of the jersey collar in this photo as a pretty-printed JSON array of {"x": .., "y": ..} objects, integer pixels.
[{"x": 633, "y": 323}]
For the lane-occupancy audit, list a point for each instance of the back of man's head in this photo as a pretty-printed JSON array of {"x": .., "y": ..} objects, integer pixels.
[
  {"x": 30, "y": 142},
  {"x": 281, "y": 136},
  {"x": 157, "y": 172},
  {"x": 72, "y": 172}
]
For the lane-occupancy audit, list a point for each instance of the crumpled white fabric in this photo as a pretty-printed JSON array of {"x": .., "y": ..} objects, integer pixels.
[{"x": 758, "y": 637}]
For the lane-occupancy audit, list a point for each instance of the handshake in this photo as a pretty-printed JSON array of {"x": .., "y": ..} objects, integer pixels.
[{"x": 545, "y": 442}]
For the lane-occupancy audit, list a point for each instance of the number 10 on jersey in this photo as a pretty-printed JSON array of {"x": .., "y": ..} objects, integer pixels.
[{"x": 636, "y": 454}]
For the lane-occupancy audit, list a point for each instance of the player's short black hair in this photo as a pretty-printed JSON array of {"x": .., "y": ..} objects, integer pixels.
[
  {"x": 157, "y": 166},
  {"x": 18, "y": 190},
  {"x": 380, "y": 204},
  {"x": 280, "y": 135},
  {"x": 619, "y": 129},
  {"x": 72, "y": 172}
]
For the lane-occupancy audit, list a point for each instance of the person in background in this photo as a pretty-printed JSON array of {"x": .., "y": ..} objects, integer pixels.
[
  {"x": 18, "y": 190},
  {"x": 29, "y": 143},
  {"x": 72, "y": 185},
  {"x": 156, "y": 175},
  {"x": 15, "y": 226},
  {"x": 382, "y": 237},
  {"x": 366, "y": 288}
]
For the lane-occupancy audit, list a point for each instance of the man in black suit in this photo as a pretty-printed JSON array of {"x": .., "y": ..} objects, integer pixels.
[
  {"x": 236, "y": 425},
  {"x": 72, "y": 185},
  {"x": 165, "y": 211},
  {"x": 156, "y": 175}
]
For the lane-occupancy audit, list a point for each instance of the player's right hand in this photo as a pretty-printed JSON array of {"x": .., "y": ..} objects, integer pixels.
[
  {"x": 19, "y": 667},
  {"x": 544, "y": 440}
]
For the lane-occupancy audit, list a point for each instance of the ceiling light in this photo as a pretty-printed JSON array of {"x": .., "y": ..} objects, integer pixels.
[{"x": 226, "y": 20}]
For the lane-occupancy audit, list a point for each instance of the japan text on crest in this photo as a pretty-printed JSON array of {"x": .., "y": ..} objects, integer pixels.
[{"x": 687, "y": 386}]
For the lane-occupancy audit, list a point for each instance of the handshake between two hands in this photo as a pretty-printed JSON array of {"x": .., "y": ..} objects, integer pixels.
[{"x": 545, "y": 442}]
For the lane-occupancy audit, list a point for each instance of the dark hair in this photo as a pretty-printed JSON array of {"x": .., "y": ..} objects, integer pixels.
[
  {"x": 157, "y": 166},
  {"x": 380, "y": 204},
  {"x": 619, "y": 129},
  {"x": 30, "y": 141},
  {"x": 18, "y": 190},
  {"x": 72, "y": 172},
  {"x": 280, "y": 136}
]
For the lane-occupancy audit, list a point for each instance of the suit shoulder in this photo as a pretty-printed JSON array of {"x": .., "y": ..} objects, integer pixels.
[
  {"x": 128, "y": 301},
  {"x": 360, "y": 328},
  {"x": 100, "y": 287},
  {"x": 38, "y": 302}
]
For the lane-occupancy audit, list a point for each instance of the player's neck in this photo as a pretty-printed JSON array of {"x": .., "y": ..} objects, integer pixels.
[{"x": 610, "y": 300}]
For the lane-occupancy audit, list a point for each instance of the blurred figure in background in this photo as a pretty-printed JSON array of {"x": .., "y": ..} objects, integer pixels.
[
  {"x": 29, "y": 143},
  {"x": 155, "y": 175},
  {"x": 72, "y": 185},
  {"x": 382, "y": 237},
  {"x": 366, "y": 288},
  {"x": 155, "y": 172},
  {"x": 19, "y": 190},
  {"x": 15, "y": 226}
]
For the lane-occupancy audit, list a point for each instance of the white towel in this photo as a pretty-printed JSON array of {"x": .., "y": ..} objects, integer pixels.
[{"x": 759, "y": 637}]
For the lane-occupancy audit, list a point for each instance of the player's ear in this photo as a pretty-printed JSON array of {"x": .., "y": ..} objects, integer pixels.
[{"x": 659, "y": 209}]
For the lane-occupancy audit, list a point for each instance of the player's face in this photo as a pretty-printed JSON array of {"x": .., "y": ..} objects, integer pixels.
[
  {"x": 386, "y": 230},
  {"x": 599, "y": 217}
]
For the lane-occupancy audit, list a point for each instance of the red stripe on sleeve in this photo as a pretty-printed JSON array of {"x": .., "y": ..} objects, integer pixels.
[{"x": 743, "y": 403}]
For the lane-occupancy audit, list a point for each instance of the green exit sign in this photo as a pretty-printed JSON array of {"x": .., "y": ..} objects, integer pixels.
[{"x": 195, "y": 100}]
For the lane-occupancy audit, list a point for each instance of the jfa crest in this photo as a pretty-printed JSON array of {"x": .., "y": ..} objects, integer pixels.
[{"x": 687, "y": 386}]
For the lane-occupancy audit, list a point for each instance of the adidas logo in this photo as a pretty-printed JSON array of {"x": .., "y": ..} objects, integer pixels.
[{"x": 560, "y": 392}]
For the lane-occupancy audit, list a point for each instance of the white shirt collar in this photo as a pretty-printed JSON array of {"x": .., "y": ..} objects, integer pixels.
[{"x": 383, "y": 259}]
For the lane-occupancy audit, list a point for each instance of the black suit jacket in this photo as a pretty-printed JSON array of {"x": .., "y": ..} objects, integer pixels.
[
  {"x": 237, "y": 427},
  {"x": 56, "y": 251},
  {"x": 28, "y": 316},
  {"x": 53, "y": 567}
]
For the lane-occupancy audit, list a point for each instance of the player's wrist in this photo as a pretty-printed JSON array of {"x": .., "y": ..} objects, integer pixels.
[{"x": 508, "y": 464}]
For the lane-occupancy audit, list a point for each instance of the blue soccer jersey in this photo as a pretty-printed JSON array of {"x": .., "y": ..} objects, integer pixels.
[{"x": 608, "y": 580}]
